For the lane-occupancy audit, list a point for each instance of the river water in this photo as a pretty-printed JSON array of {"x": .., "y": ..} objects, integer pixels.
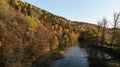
[{"x": 77, "y": 56}]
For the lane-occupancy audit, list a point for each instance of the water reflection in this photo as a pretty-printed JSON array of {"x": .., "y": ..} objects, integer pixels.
[
  {"x": 74, "y": 57},
  {"x": 77, "y": 56},
  {"x": 76, "y": 51},
  {"x": 95, "y": 53},
  {"x": 97, "y": 58}
]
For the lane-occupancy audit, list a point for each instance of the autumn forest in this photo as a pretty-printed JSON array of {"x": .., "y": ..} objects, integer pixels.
[{"x": 29, "y": 33}]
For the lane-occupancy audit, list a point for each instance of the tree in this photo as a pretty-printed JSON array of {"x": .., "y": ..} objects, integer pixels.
[
  {"x": 29, "y": 10},
  {"x": 55, "y": 43},
  {"x": 66, "y": 38},
  {"x": 99, "y": 30},
  {"x": 56, "y": 26},
  {"x": 117, "y": 37},
  {"x": 60, "y": 30},
  {"x": 104, "y": 25},
  {"x": 116, "y": 21}
]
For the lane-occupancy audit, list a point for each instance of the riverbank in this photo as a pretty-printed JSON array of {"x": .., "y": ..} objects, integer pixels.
[
  {"x": 113, "y": 51},
  {"x": 47, "y": 58}
]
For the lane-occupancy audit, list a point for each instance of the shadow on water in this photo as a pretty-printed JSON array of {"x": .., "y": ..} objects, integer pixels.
[
  {"x": 97, "y": 58},
  {"x": 77, "y": 56}
]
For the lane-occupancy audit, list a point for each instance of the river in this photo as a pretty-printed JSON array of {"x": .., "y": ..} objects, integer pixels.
[{"x": 77, "y": 56}]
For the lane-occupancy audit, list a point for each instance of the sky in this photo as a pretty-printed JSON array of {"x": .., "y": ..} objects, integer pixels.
[{"x": 90, "y": 11}]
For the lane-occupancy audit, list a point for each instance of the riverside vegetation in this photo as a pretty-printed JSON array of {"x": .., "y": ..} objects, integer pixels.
[{"x": 28, "y": 33}]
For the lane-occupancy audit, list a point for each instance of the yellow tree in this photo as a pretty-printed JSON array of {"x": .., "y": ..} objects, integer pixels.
[
  {"x": 60, "y": 30},
  {"x": 55, "y": 42},
  {"x": 66, "y": 38},
  {"x": 56, "y": 26}
]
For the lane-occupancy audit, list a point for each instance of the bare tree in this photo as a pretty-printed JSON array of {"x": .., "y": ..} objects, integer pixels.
[
  {"x": 104, "y": 25},
  {"x": 99, "y": 30},
  {"x": 116, "y": 21}
]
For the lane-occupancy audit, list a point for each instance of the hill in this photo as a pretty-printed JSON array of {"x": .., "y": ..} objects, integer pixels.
[{"x": 28, "y": 32}]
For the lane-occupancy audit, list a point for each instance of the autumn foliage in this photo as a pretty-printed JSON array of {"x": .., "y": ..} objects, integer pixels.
[{"x": 28, "y": 33}]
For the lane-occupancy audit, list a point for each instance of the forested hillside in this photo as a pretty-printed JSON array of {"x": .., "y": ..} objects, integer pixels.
[{"x": 28, "y": 32}]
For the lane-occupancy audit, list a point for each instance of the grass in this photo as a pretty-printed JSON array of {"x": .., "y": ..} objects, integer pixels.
[{"x": 113, "y": 63}]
